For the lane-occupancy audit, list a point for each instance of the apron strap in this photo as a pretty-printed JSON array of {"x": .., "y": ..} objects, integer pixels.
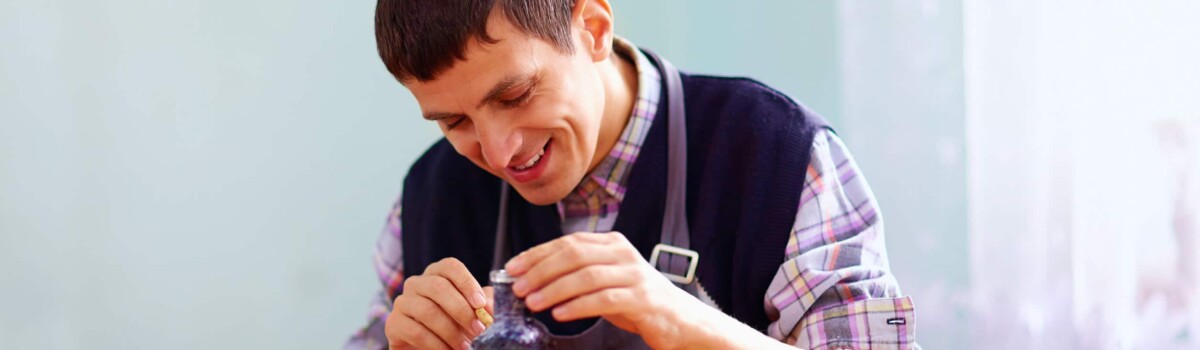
[
  {"x": 680, "y": 267},
  {"x": 502, "y": 251}
]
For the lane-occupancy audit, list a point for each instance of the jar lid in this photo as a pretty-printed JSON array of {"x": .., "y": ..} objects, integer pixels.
[{"x": 501, "y": 276}]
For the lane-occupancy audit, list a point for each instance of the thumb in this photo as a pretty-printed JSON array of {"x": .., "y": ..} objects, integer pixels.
[{"x": 488, "y": 293}]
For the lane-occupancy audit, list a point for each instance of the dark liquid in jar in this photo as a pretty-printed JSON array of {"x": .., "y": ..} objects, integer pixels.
[{"x": 513, "y": 327}]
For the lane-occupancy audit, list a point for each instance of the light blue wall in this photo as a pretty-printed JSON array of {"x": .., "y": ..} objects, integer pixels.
[
  {"x": 193, "y": 175},
  {"x": 903, "y": 117},
  {"x": 790, "y": 45},
  {"x": 213, "y": 174}
]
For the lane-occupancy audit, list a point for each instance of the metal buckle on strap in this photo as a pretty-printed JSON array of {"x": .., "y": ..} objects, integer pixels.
[{"x": 693, "y": 258}]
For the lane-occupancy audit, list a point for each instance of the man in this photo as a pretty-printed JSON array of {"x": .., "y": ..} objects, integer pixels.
[{"x": 541, "y": 95}]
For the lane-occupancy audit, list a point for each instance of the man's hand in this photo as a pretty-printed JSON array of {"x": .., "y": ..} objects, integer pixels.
[
  {"x": 601, "y": 274},
  {"x": 437, "y": 309}
]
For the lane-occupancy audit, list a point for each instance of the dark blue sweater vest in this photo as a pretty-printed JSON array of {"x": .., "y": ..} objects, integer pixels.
[{"x": 748, "y": 150}]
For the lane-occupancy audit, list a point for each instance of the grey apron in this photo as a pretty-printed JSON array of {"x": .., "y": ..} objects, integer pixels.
[{"x": 672, "y": 256}]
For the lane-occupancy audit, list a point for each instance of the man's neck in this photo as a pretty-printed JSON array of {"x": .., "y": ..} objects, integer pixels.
[{"x": 621, "y": 86}]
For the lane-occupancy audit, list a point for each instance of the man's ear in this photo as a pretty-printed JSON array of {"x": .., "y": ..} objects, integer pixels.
[{"x": 593, "y": 19}]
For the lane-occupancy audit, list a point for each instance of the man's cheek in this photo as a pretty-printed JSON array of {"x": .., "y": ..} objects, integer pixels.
[
  {"x": 549, "y": 115},
  {"x": 465, "y": 146}
]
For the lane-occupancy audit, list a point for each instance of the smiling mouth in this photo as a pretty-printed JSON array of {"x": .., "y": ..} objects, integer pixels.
[
  {"x": 532, "y": 161},
  {"x": 532, "y": 168}
]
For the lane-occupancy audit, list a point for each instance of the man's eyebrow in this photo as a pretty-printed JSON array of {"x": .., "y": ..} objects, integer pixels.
[
  {"x": 507, "y": 83},
  {"x": 435, "y": 116}
]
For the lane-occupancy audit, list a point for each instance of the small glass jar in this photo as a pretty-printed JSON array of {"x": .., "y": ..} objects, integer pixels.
[{"x": 513, "y": 327}]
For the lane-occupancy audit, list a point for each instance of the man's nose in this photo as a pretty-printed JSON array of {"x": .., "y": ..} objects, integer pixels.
[{"x": 498, "y": 144}]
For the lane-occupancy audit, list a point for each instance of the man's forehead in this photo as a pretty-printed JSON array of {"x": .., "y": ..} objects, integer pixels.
[
  {"x": 475, "y": 76},
  {"x": 504, "y": 43},
  {"x": 484, "y": 67},
  {"x": 470, "y": 87}
]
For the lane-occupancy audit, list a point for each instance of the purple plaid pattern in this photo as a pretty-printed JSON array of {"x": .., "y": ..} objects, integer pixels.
[
  {"x": 866, "y": 324},
  {"x": 593, "y": 204},
  {"x": 834, "y": 291}
]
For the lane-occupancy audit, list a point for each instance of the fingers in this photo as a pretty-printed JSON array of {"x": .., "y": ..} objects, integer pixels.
[
  {"x": 446, "y": 297},
  {"x": 404, "y": 332},
  {"x": 436, "y": 320},
  {"x": 436, "y": 309},
  {"x": 566, "y": 255},
  {"x": 583, "y": 281},
  {"x": 602, "y": 302},
  {"x": 457, "y": 273},
  {"x": 451, "y": 285},
  {"x": 524, "y": 261},
  {"x": 490, "y": 294}
]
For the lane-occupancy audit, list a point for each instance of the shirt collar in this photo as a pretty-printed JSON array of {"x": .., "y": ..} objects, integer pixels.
[{"x": 604, "y": 188}]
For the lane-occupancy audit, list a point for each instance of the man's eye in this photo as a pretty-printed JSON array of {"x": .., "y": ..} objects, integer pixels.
[
  {"x": 519, "y": 100},
  {"x": 455, "y": 122}
]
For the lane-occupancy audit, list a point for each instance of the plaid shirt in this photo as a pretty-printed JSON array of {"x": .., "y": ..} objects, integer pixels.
[
  {"x": 834, "y": 290},
  {"x": 592, "y": 206}
]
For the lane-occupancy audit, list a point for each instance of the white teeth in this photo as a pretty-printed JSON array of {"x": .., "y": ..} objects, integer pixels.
[{"x": 532, "y": 161}]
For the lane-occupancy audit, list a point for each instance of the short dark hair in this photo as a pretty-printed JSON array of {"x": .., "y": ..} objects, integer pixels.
[{"x": 422, "y": 38}]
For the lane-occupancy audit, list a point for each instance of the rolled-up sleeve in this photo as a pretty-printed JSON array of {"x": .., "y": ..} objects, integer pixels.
[
  {"x": 835, "y": 289},
  {"x": 389, "y": 266}
]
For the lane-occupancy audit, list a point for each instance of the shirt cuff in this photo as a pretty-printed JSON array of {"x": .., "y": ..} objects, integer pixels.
[{"x": 872, "y": 323}]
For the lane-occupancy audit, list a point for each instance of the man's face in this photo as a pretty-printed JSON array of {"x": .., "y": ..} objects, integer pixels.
[{"x": 521, "y": 110}]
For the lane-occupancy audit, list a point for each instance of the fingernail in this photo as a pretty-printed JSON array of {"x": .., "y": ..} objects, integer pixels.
[
  {"x": 513, "y": 265},
  {"x": 477, "y": 327},
  {"x": 466, "y": 345},
  {"x": 519, "y": 287},
  {"x": 534, "y": 300},
  {"x": 478, "y": 300}
]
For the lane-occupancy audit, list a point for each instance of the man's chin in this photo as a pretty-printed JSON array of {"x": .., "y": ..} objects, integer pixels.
[{"x": 546, "y": 194}]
